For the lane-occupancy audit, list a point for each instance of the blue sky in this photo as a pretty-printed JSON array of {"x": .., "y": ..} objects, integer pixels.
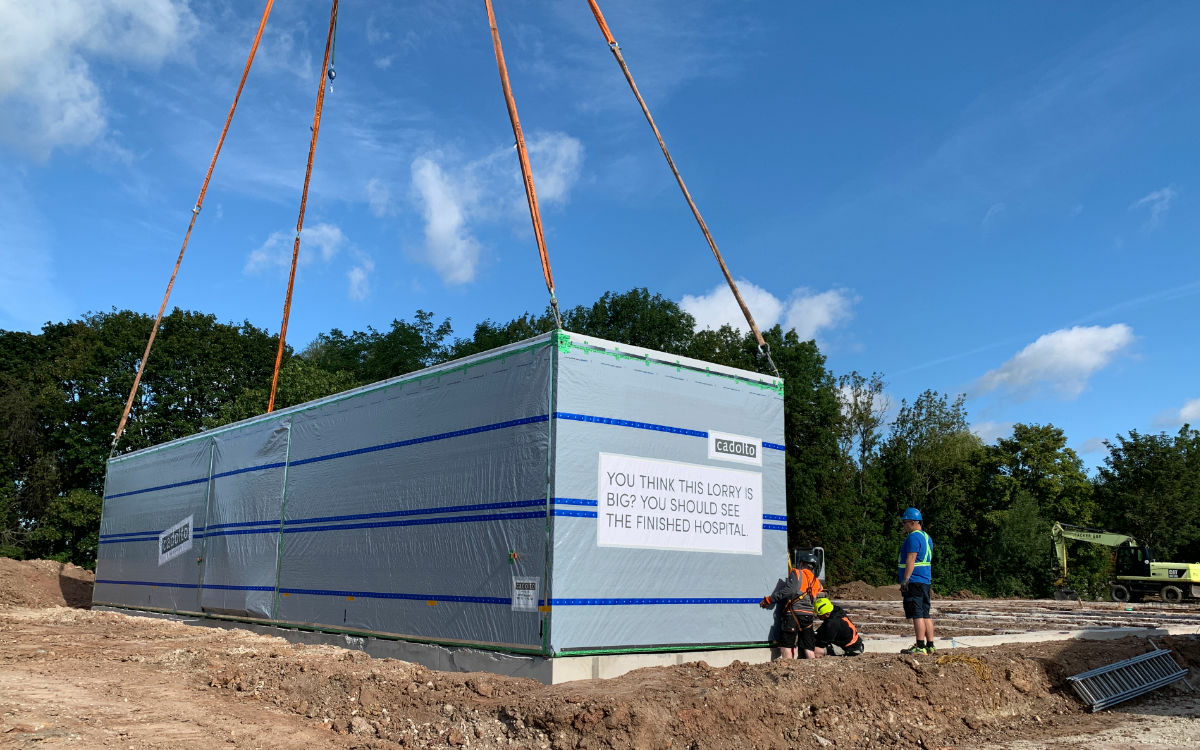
[{"x": 996, "y": 199}]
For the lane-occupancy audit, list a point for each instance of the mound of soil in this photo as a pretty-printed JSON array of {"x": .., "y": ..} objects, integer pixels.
[
  {"x": 110, "y": 679},
  {"x": 865, "y": 592},
  {"x": 44, "y": 583}
]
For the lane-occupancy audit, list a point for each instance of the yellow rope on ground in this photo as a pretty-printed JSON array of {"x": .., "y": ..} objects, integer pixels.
[{"x": 981, "y": 668}]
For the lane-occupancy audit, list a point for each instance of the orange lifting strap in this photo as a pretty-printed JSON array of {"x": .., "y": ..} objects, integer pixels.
[
  {"x": 195, "y": 213},
  {"x": 526, "y": 171},
  {"x": 312, "y": 147},
  {"x": 763, "y": 347}
]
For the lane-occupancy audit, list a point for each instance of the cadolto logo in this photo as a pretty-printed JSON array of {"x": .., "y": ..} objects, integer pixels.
[
  {"x": 174, "y": 541},
  {"x": 740, "y": 448},
  {"x": 176, "y": 538},
  {"x": 736, "y": 448}
]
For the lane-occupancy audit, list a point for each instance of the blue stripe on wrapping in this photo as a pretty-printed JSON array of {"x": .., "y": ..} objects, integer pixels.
[
  {"x": 504, "y": 600},
  {"x": 263, "y": 467},
  {"x": 166, "y": 585},
  {"x": 410, "y": 597},
  {"x": 774, "y": 527},
  {"x": 125, "y": 535},
  {"x": 574, "y": 501},
  {"x": 647, "y": 426},
  {"x": 240, "y": 524},
  {"x": 422, "y": 511},
  {"x": 156, "y": 489},
  {"x": 771, "y": 517},
  {"x": 221, "y": 475},
  {"x": 241, "y": 527},
  {"x": 425, "y": 439},
  {"x": 629, "y": 423},
  {"x": 417, "y": 522},
  {"x": 342, "y": 454},
  {"x": 656, "y": 600},
  {"x": 575, "y": 513}
]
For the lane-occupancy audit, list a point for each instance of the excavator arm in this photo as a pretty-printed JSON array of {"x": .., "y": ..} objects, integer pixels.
[{"x": 1061, "y": 532}]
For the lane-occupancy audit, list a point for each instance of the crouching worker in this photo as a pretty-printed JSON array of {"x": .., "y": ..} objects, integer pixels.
[
  {"x": 793, "y": 600},
  {"x": 836, "y": 630}
]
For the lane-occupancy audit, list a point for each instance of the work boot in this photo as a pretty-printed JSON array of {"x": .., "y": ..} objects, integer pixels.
[{"x": 916, "y": 648}]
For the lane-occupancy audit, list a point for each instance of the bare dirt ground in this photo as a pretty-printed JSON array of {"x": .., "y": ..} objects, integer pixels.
[{"x": 70, "y": 677}]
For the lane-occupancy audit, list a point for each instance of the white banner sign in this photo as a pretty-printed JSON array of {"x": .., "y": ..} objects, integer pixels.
[
  {"x": 175, "y": 541},
  {"x": 657, "y": 504},
  {"x": 525, "y": 593}
]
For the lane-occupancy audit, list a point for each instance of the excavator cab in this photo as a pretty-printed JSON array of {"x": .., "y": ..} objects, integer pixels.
[{"x": 1133, "y": 561}]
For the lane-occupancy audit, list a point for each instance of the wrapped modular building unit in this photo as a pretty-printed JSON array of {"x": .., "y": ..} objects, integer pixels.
[{"x": 560, "y": 496}]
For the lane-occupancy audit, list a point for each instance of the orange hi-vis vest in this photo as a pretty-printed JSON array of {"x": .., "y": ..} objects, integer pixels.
[
  {"x": 810, "y": 587},
  {"x": 853, "y": 631}
]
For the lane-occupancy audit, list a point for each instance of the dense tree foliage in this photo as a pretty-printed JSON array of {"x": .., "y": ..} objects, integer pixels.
[{"x": 849, "y": 472}]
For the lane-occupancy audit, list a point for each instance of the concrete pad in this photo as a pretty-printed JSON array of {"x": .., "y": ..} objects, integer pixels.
[
  {"x": 603, "y": 666},
  {"x": 894, "y": 645}
]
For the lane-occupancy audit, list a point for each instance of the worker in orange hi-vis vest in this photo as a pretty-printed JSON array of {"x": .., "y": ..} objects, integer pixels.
[
  {"x": 793, "y": 599},
  {"x": 836, "y": 630}
]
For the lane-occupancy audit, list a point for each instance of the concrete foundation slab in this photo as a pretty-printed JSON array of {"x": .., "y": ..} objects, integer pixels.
[
  {"x": 553, "y": 671},
  {"x": 894, "y": 645},
  {"x": 550, "y": 671}
]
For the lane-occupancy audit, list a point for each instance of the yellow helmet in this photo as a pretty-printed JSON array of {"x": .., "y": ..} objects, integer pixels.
[{"x": 822, "y": 606}]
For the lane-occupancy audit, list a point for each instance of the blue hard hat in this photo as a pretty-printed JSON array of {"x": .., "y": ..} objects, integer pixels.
[{"x": 911, "y": 514}]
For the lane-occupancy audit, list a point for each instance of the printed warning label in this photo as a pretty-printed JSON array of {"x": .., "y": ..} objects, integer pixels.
[
  {"x": 525, "y": 593},
  {"x": 659, "y": 504}
]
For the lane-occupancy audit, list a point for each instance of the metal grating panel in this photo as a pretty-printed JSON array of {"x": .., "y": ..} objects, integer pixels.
[{"x": 1112, "y": 684}]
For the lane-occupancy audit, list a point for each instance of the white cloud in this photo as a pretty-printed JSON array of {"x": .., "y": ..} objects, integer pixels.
[
  {"x": 359, "y": 276},
  {"x": 1189, "y": 413},
  {"x": 451, "y": 197},
  {"x": 1158, "y": 203},
  {"x": 993, "y": 213},
  {"x": 319, "y": 242},
  {"x": 804, "y": 311},
  {"x": 719, "y": 307},
  {"x": 810, "y": 313},
  {"x": 49, "y": 97},
  {"x": 1092, "y": 445},
  {"x": 449, "y": 247},
  {"x": 990, "y": 432},
  {"x": 555, "y": 159},
  {"x": 1061, "y": 361},
  {"x": 379, "y": 197}
]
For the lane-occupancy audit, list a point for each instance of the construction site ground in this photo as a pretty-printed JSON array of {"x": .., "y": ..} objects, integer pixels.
[{"x": 72, "y": 677}]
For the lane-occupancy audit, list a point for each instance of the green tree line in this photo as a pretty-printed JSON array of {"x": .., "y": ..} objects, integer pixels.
[{"x": 850, "y": 471}]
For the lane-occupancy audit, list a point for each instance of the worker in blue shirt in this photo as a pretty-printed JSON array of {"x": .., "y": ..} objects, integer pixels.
[{"x": 916, "y": 578}]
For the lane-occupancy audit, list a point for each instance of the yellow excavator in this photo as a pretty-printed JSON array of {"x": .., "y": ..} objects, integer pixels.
[{"x": 1138, "y": 573}]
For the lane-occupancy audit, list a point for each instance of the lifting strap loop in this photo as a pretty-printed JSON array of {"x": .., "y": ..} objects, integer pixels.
[
  {"x": 763, "y": 348},
  {"x": 526, "y": 171},
  {"x": 312, "y": 148},
  {"x": 195, "y": 213}
]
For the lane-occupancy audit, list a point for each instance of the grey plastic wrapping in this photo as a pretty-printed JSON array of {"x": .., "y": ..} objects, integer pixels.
[
  {"x": 145, "y": 496},
  {"x": 659, "y": 410},
  {"x": 409, "y": 507},
  {"x": 433, "y": 506}
]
